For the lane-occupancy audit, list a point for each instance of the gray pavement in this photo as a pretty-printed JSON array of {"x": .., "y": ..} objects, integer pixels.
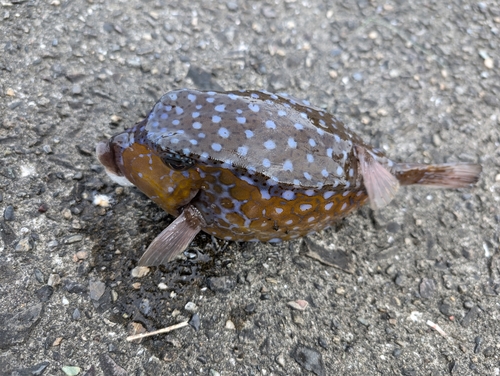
[{"x": 418, "y": 79}]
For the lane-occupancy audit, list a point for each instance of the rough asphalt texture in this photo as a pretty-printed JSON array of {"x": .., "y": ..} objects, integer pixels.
[{"x": 420, "y": 79}]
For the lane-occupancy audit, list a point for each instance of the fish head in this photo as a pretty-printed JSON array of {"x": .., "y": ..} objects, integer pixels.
[{"x": 167, "y": 177}]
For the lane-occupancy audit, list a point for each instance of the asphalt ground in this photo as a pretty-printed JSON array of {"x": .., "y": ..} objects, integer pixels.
[{"x": 419, "y": 79}]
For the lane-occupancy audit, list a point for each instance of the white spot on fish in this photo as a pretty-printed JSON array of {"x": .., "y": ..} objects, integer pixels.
[
  {"x": 324, "y": 173},
  {"x": 179, "y": 110},
  {"x": 292, "y": 143},
  {"x": 310, "y": 192},
  {"x": 164, "y": 116},
  {"x": 288, "y": 165},
  {"x": 193, "y": 142},
  {"x": 340, "y": 171},
  {"x": 255, "y": 96},
  {"x": 173, "y": 96},
  {"x": 310, "y": 158},
  {"x": 191, "y": 97},
  {"x": 329, "y": 152},
  {"x": 223, "y": 132},
  {"x": 281, "y": 113},
  {"x": 288, "y": 195},
  {"x": 220, "y": 108},
  {"x": 216, "y": 146},
  {"x": 303, "y": 115},
  {"x": 197, "y": 125},
  {"x": 328, "y": 206},
  {"x": 266, "y": 163},
  {"x": 337, "y": 138},
  {"x": 344, "y": 205},
  {"x": 175, "y": 122},
  {"x": 195, "y": 115},
  {"x": 289, "y": 222},
  {"x": 201, "y": 135},
  {"x": 270, "y": 124},
  {"x": 241, "y": 120},
  {"x": 269, "y": 144},
  {"x": 312, "y": 142},
  {"x": 247, "y": 179},
  {"x": 243, "y": 150},
  {"x": 265, "y": 194},
  {"x": 305, "y": 207},
  {"x": 254, "y": 107},
  {"x": 210, "y": 99},
  {"x": 298, "y": 126},
  {"x": 310, "y": 219},
  {"x": 216, "y": 119},
  {"x": 249, "y": 133},
  {"x": 307, "y": 175},
  {"x": 278, "y": 210},
  {"x": 328, "y": 194},
  {"x": 232, "y": 96}
]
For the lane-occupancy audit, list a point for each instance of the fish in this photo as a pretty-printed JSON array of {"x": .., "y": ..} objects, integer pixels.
[{"x": 251, "y": 165}]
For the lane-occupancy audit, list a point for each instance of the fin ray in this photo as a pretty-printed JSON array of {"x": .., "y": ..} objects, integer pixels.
[{"x": 174, "y": 239}]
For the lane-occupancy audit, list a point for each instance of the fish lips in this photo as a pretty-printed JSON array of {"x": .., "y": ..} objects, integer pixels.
[{"x": 108, "y": 153}]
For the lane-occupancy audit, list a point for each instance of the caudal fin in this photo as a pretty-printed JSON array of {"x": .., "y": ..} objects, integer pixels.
[
  {"x": 448, "y": 175},
  {"x": 174, "y": 239}
]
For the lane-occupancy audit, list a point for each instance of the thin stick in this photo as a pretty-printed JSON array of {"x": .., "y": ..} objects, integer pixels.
[
  {"x": 160, "y": 331},
  {"x": 436, "y": 327}
]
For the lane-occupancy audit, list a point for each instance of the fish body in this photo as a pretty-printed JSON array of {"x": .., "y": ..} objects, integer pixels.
[{"x": 255, "y": 166}]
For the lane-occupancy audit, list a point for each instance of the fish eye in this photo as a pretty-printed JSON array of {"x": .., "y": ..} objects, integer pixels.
[{"x": 177, "y": 161}]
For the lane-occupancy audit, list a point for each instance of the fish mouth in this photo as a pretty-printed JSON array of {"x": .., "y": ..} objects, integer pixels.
[{"x": 108, "y": 155}]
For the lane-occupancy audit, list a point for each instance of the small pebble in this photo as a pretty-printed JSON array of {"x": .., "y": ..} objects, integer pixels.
[
  {"x": 54, "y": 280},
  {"x": 195, "y": 322},
  {"x": 81, "y": 255},
  {"x": 8, "y": 213},
  {"x": 489, "y": 63},
  {"x": 190, "y": 306},
  {"x": 340, "y": 291},
  {"x": 96, "y": 289},
  {"x": 74, "y": 239},
  {"x": 76, "y": 314},
  {"x": 427, "y": 288},
  {"x": 139, "y": 271},
  {"x": 230, "y": 325},
  {"x": 299, "y": 305},
  {"x": 71, "y": 370},
  {"x": 280, "y": 359},
  {"x": 162, "y": 286}
]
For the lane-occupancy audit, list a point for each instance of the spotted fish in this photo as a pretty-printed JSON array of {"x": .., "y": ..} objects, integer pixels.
[{"x": 255, "y": 166}]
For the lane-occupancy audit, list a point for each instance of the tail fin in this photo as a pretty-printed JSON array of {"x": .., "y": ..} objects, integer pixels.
[{"x": 448, "y": 175}]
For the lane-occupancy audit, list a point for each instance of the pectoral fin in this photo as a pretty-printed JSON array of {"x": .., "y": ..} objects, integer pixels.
[
  {"x": 380, "y": 184},
  {"x": 174, "y": 239}
]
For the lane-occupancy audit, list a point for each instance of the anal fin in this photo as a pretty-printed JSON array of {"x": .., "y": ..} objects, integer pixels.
[
  {"x": 380, "y": 184},
  {"x": 174, "y": 239}
]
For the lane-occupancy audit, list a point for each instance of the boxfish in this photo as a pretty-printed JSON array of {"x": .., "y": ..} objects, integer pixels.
[{"x": 256, "y": 166}]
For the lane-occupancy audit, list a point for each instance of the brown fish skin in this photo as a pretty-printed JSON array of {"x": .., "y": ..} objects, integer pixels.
[{"x": 255, "y": 166}]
